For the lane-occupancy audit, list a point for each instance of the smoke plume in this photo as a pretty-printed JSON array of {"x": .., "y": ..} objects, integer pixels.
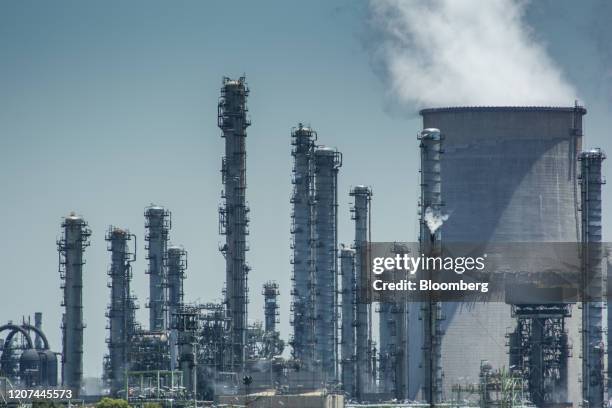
[
  {"x": 434, "y": 219},
  {"x": 463, "y": 52}
]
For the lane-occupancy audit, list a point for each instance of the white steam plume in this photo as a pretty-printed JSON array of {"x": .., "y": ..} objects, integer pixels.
[
  {"x": 464, "y": 52},
  {"x": 434, "y": 219}
]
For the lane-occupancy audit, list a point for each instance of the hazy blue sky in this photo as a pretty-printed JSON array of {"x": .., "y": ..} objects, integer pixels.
[{"x": 107, "y": 106}]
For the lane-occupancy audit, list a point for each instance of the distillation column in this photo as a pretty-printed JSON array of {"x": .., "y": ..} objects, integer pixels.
[
  {"x": 121, "y": 313},
  {"x": 157, "y": 224},
  {"x": 188, "y": 326},
  {"x": 233, "y": 214},
  {"x": 303, "y": 141},
  {"x": 177, "y": 264},
  {"x": 430, "y": 243},
  {"x": 270, "y": 292},
  {"x": 361, "y": 214},
  {"x": 327, "y": 162},
  {"x": 347, "y": 330},
  {"x": 38, "y": 343},
  {"x": 71, "y": 248},
  {"x": 592, "y": 258}
]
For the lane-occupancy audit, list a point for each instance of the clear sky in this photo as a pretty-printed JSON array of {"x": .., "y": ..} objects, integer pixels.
[{"x": 107, "y": 106}]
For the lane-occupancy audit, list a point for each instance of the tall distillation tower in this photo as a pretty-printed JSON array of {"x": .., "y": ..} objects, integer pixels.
[
  {"x": 177, "y": 264},
  {"x": 327, "y": 161},
  {"x": 303, "y": 141},
  {"x": 71, "y": 247},
  {"x": 429, "y": 238},
  {"x": 270, "y": 292},
  {"x": 233, "y": 214},
  {"x": 362, "y": 215},
  {"x": 593, "y": 280},
  {"x": 121, "y": 311},
  {"x": 157, "y": 224},
  {"x": 347, "y": 329}
]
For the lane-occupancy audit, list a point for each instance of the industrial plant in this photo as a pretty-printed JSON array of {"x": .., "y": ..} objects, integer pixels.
[{"x": 503, "y": 174}]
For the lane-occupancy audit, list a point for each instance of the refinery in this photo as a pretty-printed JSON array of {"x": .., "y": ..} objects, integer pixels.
[{"x": 509, "y": 174}]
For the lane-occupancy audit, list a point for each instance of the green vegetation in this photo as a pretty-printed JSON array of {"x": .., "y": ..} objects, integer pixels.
[{"x": 112, "y": 403}]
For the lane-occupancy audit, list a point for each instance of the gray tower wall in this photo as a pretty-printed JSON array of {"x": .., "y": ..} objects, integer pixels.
[
  {"x": 302, "y": 341},
  {"x": 327, "y": 162},
  {"x": 593, "y": 306},
  {"x": 121, "y": 308},
  {"x": 177, "y": 263},
  {"x": 157, "y": 224},
  {"x": 361, "y": 214},
  {"x": 508, "y": 175},
  {"x": 71, "y": 248},
  {"x": 233, "y": 213},
  {"x": 347, "y": 329}
]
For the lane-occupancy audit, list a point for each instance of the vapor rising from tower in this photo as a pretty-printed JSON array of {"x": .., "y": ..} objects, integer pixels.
[
  {"x": 157, "y": 224},
  {"x": 327, "y": 161},
  {"x": 233, "y": 214},
  {"x": 303, "y": 141},
  {"x": 122, "y": 306},
  {"x": 71, "y": 248}
]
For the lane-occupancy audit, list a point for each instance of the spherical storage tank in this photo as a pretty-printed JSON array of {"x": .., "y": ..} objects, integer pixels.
[{"x": 508, "y": 174}]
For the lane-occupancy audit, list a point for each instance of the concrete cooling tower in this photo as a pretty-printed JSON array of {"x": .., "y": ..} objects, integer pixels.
[{"x": 508, "y": 174}]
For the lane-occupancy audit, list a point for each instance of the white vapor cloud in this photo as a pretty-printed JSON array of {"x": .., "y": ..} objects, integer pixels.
[{"x": 464, "y": 52}]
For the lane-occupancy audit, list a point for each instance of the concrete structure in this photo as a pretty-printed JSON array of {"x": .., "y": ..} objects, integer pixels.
[
  {"x": 509, "y": 174},
  {"x": 233, "y": 214},
  {"x": 302, "y": 306},
  {"x": 177, "y": 264},
  {"x": 593, "y": 305},
  {"x": 157, "y": 224},
  {"x": 121, "y": 310},
  {"x": 347, "y": 328},
  {"x": 71, "y": 246},
  {"x": 361, "y": 213},
  {"x": 327, "y": 161}
]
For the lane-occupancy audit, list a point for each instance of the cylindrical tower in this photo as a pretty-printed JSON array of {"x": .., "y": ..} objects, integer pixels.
[
  {"x": 508, "y": 174},
  {"x": 121, "y": 313},
  {"x": 38, "y": 344},
  {"x": 431, "y": 217},
  {"x": 347, "y": 329},
  {"x": 593, "y": 280},
  {"x": 270, "y": 292},
  {"x": 71, "y": 247},
  {"x": 157, "y": 225},
  {"x": 303, "y": 141},
  {"x": 177, "y": 264},
  {"x": 187, "y": 325},
  {"x": 327, "y": 161},
  {"x": 361, "y": 214},
  {"x": 233, "y": 214}
]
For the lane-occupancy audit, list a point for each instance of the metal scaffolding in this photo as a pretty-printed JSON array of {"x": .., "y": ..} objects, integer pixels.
[
  {"x": 71, "y": 247},
  {"x": 593, "y": 348},
  {"x": 233, "y": 214},
  {"x": 187, "y": 323},
  {"x": 157, "y": 224},
  {"x": 121, "y": 310},
  {"x": 539, "y": 350},
  {"x": 303, "y": 141},
  {"x": 177, "y": 264},
  {"x": 327, "y": 161},
  {"x": 361, "y": 214},
  {"x": 347, "y": 329},
  {"x": 430, "y": 242}
]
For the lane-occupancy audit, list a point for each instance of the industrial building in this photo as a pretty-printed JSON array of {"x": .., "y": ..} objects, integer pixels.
[{"x": 487, "y": 174}]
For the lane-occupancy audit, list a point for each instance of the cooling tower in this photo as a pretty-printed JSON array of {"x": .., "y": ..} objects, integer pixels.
[{"x": 509, "y": 174}]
